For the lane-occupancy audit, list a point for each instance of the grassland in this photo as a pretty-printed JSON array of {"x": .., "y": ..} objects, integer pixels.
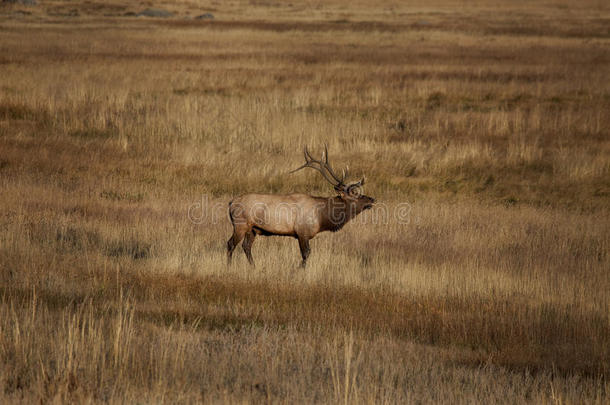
[{"x": 490, "y": 120}]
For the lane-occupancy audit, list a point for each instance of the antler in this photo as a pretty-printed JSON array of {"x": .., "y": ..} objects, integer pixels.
[
  {"x": 330, "y": 170},
  {"x": 323, "y": 166}
]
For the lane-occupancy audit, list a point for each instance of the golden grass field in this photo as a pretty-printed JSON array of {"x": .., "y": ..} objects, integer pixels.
[{"x": 482, "y": 128}]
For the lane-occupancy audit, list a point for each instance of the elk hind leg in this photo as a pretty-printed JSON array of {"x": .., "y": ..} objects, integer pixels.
[
  {"x": 238, "y": 235},
  {"x": 247, "y": 245}
]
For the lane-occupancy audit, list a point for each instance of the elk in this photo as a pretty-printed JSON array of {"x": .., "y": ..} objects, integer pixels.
[{"x": 300, "y": 216}]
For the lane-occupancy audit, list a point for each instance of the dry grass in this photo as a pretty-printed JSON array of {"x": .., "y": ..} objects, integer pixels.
[{"x": 490, "y": 120}]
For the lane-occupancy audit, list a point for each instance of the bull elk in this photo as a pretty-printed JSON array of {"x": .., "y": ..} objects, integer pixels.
[{"x": 300, "y": 216}]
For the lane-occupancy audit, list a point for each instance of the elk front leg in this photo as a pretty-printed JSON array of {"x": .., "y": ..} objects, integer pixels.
[{"x": 304, "y": 246}]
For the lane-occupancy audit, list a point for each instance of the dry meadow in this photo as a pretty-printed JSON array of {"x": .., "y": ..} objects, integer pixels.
[{"x": 482, "y": 128}]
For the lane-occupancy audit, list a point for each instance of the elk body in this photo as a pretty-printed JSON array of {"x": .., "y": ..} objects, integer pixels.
[{"x": 300, "y": 216}]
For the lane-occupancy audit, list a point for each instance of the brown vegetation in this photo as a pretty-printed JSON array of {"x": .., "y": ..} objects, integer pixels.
[{"x": 122, "y": 139}]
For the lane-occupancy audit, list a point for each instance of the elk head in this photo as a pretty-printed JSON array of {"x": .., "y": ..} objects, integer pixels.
[{"x": 349, "y": 194}]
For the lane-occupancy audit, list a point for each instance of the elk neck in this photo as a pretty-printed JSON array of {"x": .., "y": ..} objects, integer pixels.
[{"x": 337, "y": 212}]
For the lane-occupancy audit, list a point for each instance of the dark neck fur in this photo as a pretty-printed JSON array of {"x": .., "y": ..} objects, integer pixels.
[{"x": 337, "y": 212}]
